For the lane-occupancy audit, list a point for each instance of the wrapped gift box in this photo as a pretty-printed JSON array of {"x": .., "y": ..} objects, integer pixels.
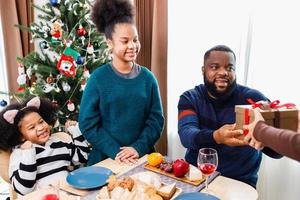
[{"x": 285, "y": 118}]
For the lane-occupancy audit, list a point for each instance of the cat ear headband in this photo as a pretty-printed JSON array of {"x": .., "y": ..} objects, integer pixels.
[{"x": 10, "y": 115}]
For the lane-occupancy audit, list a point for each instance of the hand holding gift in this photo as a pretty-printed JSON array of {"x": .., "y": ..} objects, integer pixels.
[
  {"x": 228, "y": 135},
  {"x": 278, "y": 115},
  {"x": 285, "y": 142},
  {"x": 249, "y": 137}
]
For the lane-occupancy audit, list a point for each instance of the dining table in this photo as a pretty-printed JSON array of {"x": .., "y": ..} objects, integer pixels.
[{"x": 223, "y": 187}]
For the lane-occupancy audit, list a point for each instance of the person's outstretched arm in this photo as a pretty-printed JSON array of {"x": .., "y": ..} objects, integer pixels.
[
  {"x": 282, "y": 141},
  {"x": 194, "y": 136}
]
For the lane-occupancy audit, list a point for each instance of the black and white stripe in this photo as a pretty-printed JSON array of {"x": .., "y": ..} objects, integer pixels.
[{"x": 41, "y": 165}]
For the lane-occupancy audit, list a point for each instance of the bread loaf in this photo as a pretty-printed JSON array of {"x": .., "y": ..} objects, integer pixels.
[
  {"x": 149, "y": 178},
  {"x": 103, "y": 193},
  {"x": 167, "y": 191},
  {"x": 141, "y": 186}
]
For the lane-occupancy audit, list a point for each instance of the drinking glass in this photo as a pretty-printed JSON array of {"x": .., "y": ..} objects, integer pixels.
[
  {"x": 207, "y": 163},
  {"x": 51, "y": 191}
]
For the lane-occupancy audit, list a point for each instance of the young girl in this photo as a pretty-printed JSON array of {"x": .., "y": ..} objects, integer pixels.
[
  {"x": 37, "y": 158},
  {"x": 120, "y": 112}
]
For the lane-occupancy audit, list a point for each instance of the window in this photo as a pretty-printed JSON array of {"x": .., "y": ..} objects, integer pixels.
[
  {"x": 274, "y": 69},
  {"x": 3, "y": 77},
  {"x": 266, "y": 39},
  {"x": 200, "y": 26}
]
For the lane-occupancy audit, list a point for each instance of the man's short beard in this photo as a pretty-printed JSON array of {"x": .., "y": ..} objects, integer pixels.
[{"x": 212, "y": 89}]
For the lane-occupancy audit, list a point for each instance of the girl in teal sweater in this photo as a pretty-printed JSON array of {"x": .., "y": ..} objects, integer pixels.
[{"x": 120, "y": 111}]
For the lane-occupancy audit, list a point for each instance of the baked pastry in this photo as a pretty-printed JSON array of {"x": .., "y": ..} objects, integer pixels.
[
  {"x": 140, "y": 186},
  {"x": 149, "y": 178},
  {"x": 167, "y": 191}
]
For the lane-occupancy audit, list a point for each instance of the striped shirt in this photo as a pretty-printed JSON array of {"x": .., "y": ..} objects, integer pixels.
[{"x": 40, "y": 165}]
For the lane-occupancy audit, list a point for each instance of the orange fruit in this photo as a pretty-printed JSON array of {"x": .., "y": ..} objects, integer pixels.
[{"x": 155, "y": 159}]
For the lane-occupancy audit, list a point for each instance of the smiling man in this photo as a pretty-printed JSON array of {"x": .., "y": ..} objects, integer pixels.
[{"x": 206, "y": 118}]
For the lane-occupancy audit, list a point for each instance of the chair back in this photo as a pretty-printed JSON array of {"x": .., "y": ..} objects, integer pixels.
[{"x": 4, "y": 163}]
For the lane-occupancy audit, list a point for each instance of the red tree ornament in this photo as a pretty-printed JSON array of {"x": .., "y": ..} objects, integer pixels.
[
  {"x": 70, "y": 106},
  {"x": 50, "y": 79},
  {"x": 81, "y": 31},
  {"x": 66, "y": 65}
]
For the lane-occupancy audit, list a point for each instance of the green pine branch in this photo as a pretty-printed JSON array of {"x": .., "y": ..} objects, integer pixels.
[
  {"x": 44, "y": 66},
  {"x": 51, "y": 13},
  {"x": 23, "y": 28}
]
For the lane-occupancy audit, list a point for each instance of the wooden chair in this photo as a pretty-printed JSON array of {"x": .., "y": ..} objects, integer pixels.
[
  {"x": 4, "y": 162},
  {"x": 298, "y": 121}
]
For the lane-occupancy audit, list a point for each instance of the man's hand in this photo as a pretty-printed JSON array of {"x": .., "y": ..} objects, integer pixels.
[
  {"x": 249, "y": 138},
  {"x": 228, "y": 135},
  {"x": 127, "y": 155}
]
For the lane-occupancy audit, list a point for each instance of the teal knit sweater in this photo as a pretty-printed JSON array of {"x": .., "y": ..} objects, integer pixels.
[{"x": 116, "y": 112}]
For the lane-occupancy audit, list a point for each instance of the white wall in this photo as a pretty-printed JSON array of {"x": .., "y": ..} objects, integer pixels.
[
  {"x": 194, "y": 27},
  {"x": 3, "y": 77},
  {"x": 274, "y": 41},
  {"x": 275, "y": 69}
]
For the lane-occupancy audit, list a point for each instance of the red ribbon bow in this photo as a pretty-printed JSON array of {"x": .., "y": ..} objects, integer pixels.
[
  {"x": 254, "y": 104},
  {"x": 246, "y": 121},
  {"x": 273, "y": 104}
]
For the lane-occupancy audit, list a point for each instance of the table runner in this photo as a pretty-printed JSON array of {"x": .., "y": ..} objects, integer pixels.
[{"x": 186, "y": 187}]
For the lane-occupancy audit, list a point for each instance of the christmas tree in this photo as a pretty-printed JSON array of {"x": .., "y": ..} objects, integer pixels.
[{"x": 70, "y": 48}]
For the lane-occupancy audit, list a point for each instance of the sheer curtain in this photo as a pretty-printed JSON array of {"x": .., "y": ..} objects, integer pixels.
[
  {"x": 274, "y": 69},
  {"x": 3, "y": 78},
  {"x": 16, "y": 42},
  {"x": 265, "y": 36},
  {"x": 200, "y": 26}
]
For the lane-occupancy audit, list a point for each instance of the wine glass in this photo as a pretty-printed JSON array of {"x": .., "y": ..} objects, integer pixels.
[
  {"x": 50, "y": 191},
  {"x": 207, "y": 163}
]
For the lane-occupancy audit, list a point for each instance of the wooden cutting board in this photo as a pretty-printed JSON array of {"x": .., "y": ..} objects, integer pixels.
[
  {"x": 118, "y": 168},
  {"x": 183, "y": 179}
]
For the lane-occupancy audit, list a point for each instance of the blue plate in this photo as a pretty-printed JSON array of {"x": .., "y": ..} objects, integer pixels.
[
  {"x": 88, "y": 177},
  {"x": 196, "y": 196}
]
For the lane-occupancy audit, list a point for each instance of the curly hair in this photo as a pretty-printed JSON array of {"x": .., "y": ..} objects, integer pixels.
[
  {"x": 10, "y": 134},
  {"x": 107, "y": 13}
]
